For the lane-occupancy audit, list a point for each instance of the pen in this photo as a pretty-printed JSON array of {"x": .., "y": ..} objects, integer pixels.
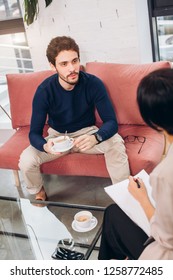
[
  {"x": 137, "y": 182},
  {"x": 148, "y": 241}
]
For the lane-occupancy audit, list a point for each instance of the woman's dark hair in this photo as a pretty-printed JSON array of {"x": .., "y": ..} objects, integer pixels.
[
  {"x": 59, "y": 44},
  {"x": 155, "y": 99}
]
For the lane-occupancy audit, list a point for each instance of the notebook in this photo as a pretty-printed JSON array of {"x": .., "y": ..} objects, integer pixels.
[{"x": 120, "y": 194}]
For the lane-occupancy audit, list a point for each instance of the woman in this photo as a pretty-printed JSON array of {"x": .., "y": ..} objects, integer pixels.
[{"x": 121, "y": 238}]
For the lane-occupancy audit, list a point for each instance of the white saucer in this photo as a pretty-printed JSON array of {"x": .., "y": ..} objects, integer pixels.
[
  {"x": 63, "y": 149},
  {"x": 79, "y": 229}
]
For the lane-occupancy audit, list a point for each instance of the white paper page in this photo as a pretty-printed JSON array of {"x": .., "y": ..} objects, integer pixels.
[
  {"x": 120, "y": 194},
  {"x": 44, "y": 228}
]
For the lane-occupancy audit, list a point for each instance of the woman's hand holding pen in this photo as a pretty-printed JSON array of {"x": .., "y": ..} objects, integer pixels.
[
  {"x": 139, "y": 192},
  {"x": 137, "y": 189}
]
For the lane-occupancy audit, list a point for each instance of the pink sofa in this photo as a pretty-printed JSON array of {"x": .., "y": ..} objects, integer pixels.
[{"x": 121, "y": 81}]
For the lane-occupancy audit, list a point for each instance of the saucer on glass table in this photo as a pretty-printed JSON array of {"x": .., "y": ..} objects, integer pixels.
[{"x": 84, "y": 221}]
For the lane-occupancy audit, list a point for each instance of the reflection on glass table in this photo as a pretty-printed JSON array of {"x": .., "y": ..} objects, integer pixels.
[{"x": 31, "y": 232}]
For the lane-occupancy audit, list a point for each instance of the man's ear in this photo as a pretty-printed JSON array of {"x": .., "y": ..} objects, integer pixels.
[{"x": 52, "y": 67}]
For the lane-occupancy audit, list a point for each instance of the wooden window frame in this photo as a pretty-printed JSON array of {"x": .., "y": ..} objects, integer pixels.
[{"x": 11, "y": 26}]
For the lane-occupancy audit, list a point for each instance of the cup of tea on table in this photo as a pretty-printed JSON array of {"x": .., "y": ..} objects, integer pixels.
[{"x": 83, "y": 219}]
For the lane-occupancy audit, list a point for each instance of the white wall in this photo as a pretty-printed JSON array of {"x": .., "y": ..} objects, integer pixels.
[
  {"x": 106, "y": 30},
  {"x": 143, "y": 31}
]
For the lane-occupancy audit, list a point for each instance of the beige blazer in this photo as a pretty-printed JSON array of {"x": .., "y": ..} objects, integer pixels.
[{"x": 161, "y": 180}]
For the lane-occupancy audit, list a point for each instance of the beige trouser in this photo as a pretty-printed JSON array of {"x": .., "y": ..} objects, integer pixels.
[{"x": 113, "y": 150}]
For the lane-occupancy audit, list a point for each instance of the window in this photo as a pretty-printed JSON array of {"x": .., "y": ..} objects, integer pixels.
[
  {"x": 161, "y": 27},
  {"x": 14, "y": 51}
]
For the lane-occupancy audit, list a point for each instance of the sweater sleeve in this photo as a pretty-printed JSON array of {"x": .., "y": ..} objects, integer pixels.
[
  {"x": 105, "y": 110},
  {"x": 38, "y": 119}
]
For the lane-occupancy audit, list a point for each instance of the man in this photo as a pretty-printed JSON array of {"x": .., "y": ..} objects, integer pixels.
[{"x": 69, "y": 99}]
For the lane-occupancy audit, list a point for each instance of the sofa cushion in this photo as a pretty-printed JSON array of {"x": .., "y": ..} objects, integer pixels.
[
  {"x": 82, "y": 164},
  {"x": 10, "y": 151},
  {"x": 121, "y": 81},
  {"x": 152, "y": 149},
  {"x": 72, "y": 164},
  {"x": 22, "y": 87}
]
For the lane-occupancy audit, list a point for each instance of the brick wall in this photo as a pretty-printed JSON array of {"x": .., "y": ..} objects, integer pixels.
[{"x": 106, "y": 30}]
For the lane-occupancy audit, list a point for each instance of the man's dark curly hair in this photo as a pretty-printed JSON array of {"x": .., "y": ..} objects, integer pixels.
[{"x": 59, "y": 44}]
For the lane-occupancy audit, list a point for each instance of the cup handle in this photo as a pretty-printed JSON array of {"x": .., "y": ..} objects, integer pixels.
[
  {"x": 71, "y": 140},
  {"x": 92, "y": 219}
]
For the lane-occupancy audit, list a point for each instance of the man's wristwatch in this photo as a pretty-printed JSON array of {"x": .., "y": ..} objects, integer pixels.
[{"x": 98, "y": 137}]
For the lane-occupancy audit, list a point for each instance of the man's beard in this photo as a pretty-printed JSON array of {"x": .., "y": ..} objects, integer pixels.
[{"x": 70, "y": 82}]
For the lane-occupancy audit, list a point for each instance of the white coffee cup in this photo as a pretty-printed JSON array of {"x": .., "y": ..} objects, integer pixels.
[
  {"x": 83, "y": 219},
  {"x": 62, "y": 143}
]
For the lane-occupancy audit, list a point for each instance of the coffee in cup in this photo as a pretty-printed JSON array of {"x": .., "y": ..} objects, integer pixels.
[
  {"x": 62, "y": 143},
  {"x": 83, "y": 219}
]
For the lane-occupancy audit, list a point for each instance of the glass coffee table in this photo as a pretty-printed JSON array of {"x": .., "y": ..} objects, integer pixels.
[{"x": 32, "y": 230}]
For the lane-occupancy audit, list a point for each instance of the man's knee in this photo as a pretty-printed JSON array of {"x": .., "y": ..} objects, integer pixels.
[{"x": 27, "y": 161}]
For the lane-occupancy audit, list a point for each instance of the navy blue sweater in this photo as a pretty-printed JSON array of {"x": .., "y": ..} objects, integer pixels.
[{"x": 71, "y": 110}]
